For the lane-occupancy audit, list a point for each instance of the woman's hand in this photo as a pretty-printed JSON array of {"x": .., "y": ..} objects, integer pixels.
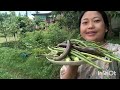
[{"x": 68, "y": 72}]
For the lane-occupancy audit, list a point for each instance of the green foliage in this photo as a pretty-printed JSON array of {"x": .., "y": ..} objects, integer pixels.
[
  {"x": 116, "y": 31},
  {"x": 14, "y": 44},
  {"x": 16, "y": 66},
  {"x": 114, "y": 40},
  {"x": 40, "y": 68},
  {"x": 8, "y": 25},
  {"x": 3, "y": 16},
  {"x": 42, "y": 25},
  {"x": 8, "y": 44},
  {"x": 55, "y": 35},
  {"x": 38, "y": 52},
  {"x": 11, "y": 25},
  {"x": 9, "y": 56},
  {"x": 32, "y": 39},
  {"x": 113, "y": 14},
  {"x": 37, "y": 20},
  {"x": 25, "y": 24},
  {"x": 50, "y": 37},
  {"x": 113, "y": 17},
  {"x": 69, "y": 19}
]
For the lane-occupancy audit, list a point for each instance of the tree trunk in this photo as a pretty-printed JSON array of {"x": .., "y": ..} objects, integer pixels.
[
  {"x": 6, "y": 38},
  {"x": 14, "y": 36},
  {"x": 26, "y": 14}
]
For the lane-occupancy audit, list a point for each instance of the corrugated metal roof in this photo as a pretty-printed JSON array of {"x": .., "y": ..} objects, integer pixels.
[{"x": 49, "y": 13}]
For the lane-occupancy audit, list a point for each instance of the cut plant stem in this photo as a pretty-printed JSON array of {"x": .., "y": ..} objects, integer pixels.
[
  {"x": 81, "y": 42},
  {"x": 86, "y": 60},
  {"x": 96, "y": 57}
]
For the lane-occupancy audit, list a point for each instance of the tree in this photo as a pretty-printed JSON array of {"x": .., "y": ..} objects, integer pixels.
[
  {"x": 3, "y": 17},
  {"x": 113, "y": 15},
  {"x": 69, "y": 19},
  {"x": 25, "y": 24}
]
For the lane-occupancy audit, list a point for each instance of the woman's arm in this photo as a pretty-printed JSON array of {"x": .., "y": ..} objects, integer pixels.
[{"x": 68, "y": 72}]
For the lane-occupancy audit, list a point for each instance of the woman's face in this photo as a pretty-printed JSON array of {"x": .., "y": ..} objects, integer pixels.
[{"x": 92, "y": 27}]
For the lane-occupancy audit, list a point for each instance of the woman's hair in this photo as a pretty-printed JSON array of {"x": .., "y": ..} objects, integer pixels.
[{"x": 105, "y": 19}]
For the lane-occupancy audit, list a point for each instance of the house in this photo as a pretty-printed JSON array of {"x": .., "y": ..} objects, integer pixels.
[{"x": 45, "y": 17}]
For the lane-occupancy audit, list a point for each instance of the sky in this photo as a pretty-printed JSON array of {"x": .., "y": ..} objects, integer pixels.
[{"x": 23, "y": 12}]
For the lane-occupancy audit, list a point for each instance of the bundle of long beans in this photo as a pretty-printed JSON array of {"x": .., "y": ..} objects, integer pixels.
[{"x": 74, "y": 50}]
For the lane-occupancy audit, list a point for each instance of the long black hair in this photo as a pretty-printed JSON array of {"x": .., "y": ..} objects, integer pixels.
[{"x": 104, "y": 16}]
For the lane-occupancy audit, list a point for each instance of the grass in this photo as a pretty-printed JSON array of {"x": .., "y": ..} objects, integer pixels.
[
  {"x": 2, "y": 39},
  {"x": 14, "y": 66},
  {"x": 7, "y": 74}
]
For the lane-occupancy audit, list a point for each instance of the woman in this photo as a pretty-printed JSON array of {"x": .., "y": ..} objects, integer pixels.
[{"x": 94, "y": 26}]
